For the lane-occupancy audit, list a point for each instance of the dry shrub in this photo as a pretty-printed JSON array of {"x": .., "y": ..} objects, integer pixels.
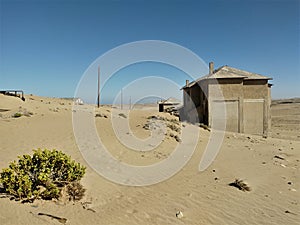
[{"x": 240, "y": 184}]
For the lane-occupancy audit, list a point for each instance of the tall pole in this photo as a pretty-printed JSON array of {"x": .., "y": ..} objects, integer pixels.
[
  {"x": 122, "y": 98},
  {"x": 98, "y": 99}
]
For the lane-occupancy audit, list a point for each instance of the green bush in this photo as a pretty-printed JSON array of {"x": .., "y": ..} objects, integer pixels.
[
  {"x": 43, "y": 175},
  {"x": 17, "y": 115}
]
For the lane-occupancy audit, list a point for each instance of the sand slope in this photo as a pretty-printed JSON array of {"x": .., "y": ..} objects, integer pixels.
[{"x": 203, "y": 197}]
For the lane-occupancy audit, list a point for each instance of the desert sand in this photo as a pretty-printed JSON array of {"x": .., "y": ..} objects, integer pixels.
[{"x": 270, "y": 166}]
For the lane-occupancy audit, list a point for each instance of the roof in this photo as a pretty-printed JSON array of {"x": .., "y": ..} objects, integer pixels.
[
  {"x": 226, "y": 72},
  {"x": 170, "y": 101}
]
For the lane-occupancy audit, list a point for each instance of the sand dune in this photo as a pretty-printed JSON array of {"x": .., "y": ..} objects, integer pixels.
[{"x": 269, "y": 166}]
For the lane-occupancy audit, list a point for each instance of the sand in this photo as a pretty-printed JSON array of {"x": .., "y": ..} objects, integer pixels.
[{"x": 202, "y": 197}]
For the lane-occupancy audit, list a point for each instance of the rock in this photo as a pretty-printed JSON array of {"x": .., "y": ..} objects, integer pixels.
[
  {"x": 146, "y": 126},
  {"x": 177, "y": 138},
  {"x": 179, "y": 214}
]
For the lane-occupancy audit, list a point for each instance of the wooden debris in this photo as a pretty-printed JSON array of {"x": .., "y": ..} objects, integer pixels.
[
  {"x": 287, "y": 211},
  {"x": 205, "y": 127},
  {"x": 59, "y": 219},
  {"x": 278, "y": 157}
]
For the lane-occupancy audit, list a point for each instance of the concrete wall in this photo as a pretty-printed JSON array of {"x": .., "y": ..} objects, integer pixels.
[
  {"x": 228, "y": 92},
  {"x": 256, "y": 107},
  {"x": 224, "y": 115},
  {"x": 254, "y": 116},
  {"x": 255, "y": 89},
  {"x": 225, "y": 88}
]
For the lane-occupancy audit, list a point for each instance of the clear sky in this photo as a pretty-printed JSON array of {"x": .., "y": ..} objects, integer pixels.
[{"x": 47, "y": 45}]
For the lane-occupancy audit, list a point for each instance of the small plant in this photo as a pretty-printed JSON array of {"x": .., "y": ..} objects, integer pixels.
[
  {"x": 240, "y": 184},
  {"x": 42, "y": 175},
  {"x": 17, "y": 115},
  {"x": 75, "y": 191}
]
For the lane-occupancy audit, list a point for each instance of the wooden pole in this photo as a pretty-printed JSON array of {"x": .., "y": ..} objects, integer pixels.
[
  {"x": 122, "y": 98},
  {"x": 98, "y": 99}
]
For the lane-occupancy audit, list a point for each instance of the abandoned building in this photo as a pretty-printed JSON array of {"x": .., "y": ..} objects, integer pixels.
[
  {"x": 238, "y": 98},
  {"x": 164, "y": 105}
]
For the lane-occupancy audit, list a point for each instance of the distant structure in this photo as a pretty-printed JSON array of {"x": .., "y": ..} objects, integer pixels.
[
  {"x": 78, "y": 101},
  {"x": 168, "y": 103},
  {"x": 246, "y": 98},
  {"x": 16, "y": 93}
]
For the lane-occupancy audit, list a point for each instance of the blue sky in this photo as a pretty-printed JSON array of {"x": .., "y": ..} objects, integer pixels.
[{"x": 46, "y": 46}]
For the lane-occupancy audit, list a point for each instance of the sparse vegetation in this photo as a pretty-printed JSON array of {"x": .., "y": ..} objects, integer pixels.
[
  {"x": 17, "y": 115},
  {"x": 75, "y": 191},
  {"x": 101, "y": 115},
  {"x": 43, "y": 175},
  {"x": 122, "y": 115},
  {"x": 240, "y": 184},
  {"x": 172, "y": 124}
]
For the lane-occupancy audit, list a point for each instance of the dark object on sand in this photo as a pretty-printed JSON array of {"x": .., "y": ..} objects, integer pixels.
[
  {"x": 122, "y": 115},
  {"x": 240, "y": 184},
  {"x": 205, "y": 127},
  {"x": 59, "y": 219},
  {"x": 278, "y": 157}
]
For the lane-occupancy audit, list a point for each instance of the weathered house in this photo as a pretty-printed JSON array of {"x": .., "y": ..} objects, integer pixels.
[
  {"x": 228, "y": 95},
  {"x": 168, "y": 103}
]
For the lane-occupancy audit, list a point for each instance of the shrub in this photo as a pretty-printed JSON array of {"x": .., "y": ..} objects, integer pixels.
[
  {"x": 240, "y": 184},
  {"x": 42, "y": 175},
  {"x": 17, "y": 115},
  {"x": 122, "y": 115}
]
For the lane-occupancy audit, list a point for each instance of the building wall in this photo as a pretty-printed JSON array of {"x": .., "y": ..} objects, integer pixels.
[
  {"x": 246, "y": 105},
  {"x": 243, "y": 104},
  {"x": 195, "y": 104},
  {"x": 255, "y": 89},
  {"x": 254, "y": 116},
  {"x": 224, "y": 115},
  {"x": 224, "y": 103},
  {"x": 189, "y": 112},
  {"x": 225, "y": 88},
  {"x": 256, "y": 107}
]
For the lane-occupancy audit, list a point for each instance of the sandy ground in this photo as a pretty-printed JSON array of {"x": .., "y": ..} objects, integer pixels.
[{"x": 202, "y": 197}]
